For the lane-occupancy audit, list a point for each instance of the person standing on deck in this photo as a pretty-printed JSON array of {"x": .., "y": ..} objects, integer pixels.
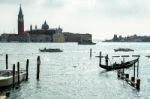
[{"x": 106, "y": 60}]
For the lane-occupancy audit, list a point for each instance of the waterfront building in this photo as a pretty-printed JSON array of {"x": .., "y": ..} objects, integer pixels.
[
  {"x": 20, "y": 22},
  {"x": 43, "y": 34}
]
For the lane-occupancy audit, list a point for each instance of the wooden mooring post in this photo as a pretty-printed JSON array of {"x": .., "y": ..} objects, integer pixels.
[
  {"x": 27, "y": 69},
  {"x": 133, "y": 82},
  {"x": 13, "y": 83},
  {"x": 100, "y": 58},
  {"x": 18, "y": 72},
  {"x": 6, "y": 61},
  {"x": 38, "y": 67},
  {"x": 90, "y": 52}
]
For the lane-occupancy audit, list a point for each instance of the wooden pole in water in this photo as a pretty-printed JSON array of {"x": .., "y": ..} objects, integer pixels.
[
  {"x": 100, "y": 56},
  {"x": 138, "y": 84},
  {"x": 118, "y": 73},
  {"x": 138, "y": 68},
  {"x": 6, "y": 61},
  {"x": 134, "y": 70},
  {"x": 90, "y": 52},
  {"x": 127, "y": 77},
  {"x": 123, "y": 62},
  {"x": 13, "y": 76},
  {"x": 27, "y": 69},
  {"x": 133, "y": 78},
  {"x": 18, "y": 70},
  {"x": 38, "y": 67}
]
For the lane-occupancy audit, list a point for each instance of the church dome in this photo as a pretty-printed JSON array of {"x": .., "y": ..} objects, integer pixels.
[{"x": 45, "y": 26}]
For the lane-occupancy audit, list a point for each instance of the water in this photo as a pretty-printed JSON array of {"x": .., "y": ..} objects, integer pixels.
[{"x": 72, "y": 74}]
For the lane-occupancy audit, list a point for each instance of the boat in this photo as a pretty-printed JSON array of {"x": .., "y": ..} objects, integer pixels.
[
  {"x": 84, "y": 43},
  {"x": 148, "y": 56},
  {"x": 123, "y": 49},
  {"x": 119, "y": 66},
  {"x": 51, "y": 50},
  {"x": 6, "y": 77}
]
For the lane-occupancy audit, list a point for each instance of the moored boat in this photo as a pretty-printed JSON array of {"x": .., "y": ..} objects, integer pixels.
[
  {"x": 119, "y": 66},
  {"x": 123, "y": 49},
  {"x": 51, "y": 50},
  {"x": 6, "y": 77}
]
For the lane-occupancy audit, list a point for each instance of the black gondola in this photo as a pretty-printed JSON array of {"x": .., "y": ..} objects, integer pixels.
[
  {"x": 119, "y": 66},
  {"x": 51, "y": 50},
  {"x": 123, "y": 49}
]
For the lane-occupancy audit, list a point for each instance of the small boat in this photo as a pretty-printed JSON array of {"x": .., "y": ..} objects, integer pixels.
[
  {"x": 148, "y": 56},
  {"x": 6, "y": 77},
  {"x": 120, "y": 66},
  {"x": 51, "y": 50},
  {"x": 87, "y": 42},
  {"x": 123, "y": 49}
]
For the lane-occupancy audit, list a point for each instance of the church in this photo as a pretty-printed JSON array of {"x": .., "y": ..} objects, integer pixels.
[{"x": 44, "y": 34}]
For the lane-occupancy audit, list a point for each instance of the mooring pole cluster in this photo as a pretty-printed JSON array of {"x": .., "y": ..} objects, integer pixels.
[
  {"x": 16, "y": 74},
  {"x": 133, "y": 82}
]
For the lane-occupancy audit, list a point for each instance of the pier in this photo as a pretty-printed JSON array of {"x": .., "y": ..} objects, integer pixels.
[
  {"x": 11, "y": 78},
  {"x": 134, "y": 81}
]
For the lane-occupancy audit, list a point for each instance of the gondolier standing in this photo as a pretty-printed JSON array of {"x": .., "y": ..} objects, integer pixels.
[{"x": 106, "y": 60}]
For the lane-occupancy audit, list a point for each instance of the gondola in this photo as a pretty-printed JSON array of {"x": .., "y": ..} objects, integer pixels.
[
  {"x": 51, "y": 50},
  {"x": 123, "y": 49},
  {"x": 120, "y": 66}
]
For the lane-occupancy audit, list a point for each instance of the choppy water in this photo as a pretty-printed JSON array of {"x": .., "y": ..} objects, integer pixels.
[{"x": 72, "y": 74}]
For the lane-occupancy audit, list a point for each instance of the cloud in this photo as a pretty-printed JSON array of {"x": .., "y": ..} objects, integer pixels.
[
  {"x": 16, "y": 2},
  {"x": 109, "y": 8},
  {"x": 123, "y": 7},
  {"x": 54, "y": 3}
]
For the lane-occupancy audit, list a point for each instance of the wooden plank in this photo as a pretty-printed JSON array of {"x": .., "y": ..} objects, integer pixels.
[
  {"x": 115, "y": 56},
  {"x": 101, "y": 56},
  {"x": 135, "y": 55},
  {"x": 125, "y": 56}
]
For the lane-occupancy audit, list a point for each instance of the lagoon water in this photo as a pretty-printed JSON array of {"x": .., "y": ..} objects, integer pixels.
[{"x": 72, "y": 74}]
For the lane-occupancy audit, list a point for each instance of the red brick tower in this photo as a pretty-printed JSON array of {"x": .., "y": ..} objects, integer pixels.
[{"x": 20, "y": 22}]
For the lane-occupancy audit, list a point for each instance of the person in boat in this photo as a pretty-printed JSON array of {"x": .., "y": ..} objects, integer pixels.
[
  {"x": 114, "y": 64},
  {"x": 106, "y": 60}
]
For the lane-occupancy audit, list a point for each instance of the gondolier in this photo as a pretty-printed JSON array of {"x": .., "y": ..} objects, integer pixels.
[{"x": 106, "y": 60}]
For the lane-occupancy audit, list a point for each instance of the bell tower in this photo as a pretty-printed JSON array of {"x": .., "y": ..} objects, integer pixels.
[{"x": 20, "y": 22}]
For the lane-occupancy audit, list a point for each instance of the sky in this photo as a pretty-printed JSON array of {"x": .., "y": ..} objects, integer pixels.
[{"x": 101, "y": 18}]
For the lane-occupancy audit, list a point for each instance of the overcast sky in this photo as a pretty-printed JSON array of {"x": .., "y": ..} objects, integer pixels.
[{"x": 101, "y": 18}]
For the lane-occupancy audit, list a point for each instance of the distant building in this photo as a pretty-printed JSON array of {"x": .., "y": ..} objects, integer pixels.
[
  {"x": 20, "y": 22},
  {"x": 133, "y": 38},
  {"x": 76, "y": 37},
  {"x": 58, "y": 36},
  {"x": 43, "y": 34},
  {"x": 14, "y": 38}
]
